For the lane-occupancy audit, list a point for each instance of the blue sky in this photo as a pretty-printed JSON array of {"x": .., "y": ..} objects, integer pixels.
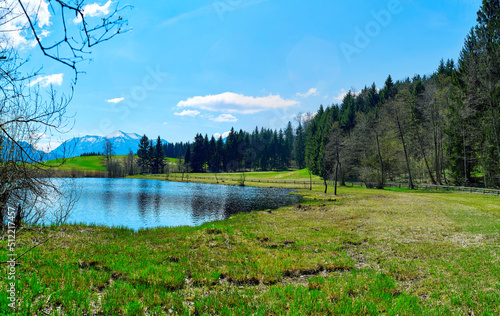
[{"x": 205, "y": 66}]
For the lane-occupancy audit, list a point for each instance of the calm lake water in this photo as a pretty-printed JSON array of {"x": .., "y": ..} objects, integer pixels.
[{"x": 137, "y": 203}]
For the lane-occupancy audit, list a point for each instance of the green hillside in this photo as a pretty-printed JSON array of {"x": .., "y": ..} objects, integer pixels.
[{"x": 88, "y": 163}]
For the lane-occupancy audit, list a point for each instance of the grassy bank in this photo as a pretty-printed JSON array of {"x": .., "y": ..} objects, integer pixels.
[
  {"x": 282, "y": 179},
  {"x": 87, "y": 163},
  {"x": 368, "y": 252}
]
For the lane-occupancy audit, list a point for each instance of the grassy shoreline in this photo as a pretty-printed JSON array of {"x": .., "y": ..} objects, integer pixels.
[
  {"x": 364, "y": 252},
  {"x": 296, "y": 179}
]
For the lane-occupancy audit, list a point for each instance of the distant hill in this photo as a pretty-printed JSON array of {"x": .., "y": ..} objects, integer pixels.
[
  {"x": 28, "y": 152},
  {"x": 74, "y": 147}
]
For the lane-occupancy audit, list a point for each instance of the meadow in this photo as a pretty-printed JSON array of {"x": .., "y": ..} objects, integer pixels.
[
  {"x": 364, "y": 252},
  {"x": 86, "y": 163}
]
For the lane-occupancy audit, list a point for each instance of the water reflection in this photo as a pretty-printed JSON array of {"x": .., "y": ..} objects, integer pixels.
[
  {"x": 108, "y": 193},
  {"x": 111, "y": 202},
  {"x": 143, "y": 198}
]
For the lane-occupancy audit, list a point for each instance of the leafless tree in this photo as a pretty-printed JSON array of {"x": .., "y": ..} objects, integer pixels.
[
  {"x": 332, "y": 153},
  {"x": 108, "y": 151},
  {"x": 398, "y": 110},
  {"x": 28, "y": 110}
]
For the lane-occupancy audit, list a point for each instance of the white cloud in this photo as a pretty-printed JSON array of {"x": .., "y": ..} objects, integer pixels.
[
  {"x": 55, "y": 79},
  {"x": 311, "y": 92},
  {"x": 191, "y": 113},
  {"x": 224, "y": 135},
  {"x": 224, "y": 118},
  {"x": 15, "y": 29},
  {"x": 115, "y": 100},
  {"x": 230, "y": 102},
  {"x": 340, "y": 97},
  {"x": 304, "y": 117},
  {"x": 94, "y": 10}
]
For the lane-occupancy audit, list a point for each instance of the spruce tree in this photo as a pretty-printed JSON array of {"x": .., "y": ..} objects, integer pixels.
[
  {"x": 198, "y": 154},
  {"x": 151, "y": 156},
  {"x": 212, "y": 155},
  {"x": 288, "y": 145},
  {"x": 142, "y": 152},
  {"x": 300, "y": 147},
  {"x": 187, "y": 157},
  {"x": 159, "y": 154}
]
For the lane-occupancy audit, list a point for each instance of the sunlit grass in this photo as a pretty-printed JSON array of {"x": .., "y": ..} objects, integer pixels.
[
  {"x": 87, "y": 163},
  {"x": 364, "y": 252}
]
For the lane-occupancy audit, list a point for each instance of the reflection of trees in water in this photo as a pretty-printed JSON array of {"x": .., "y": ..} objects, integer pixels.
[
  {"x": 158, "y": 203},
  {"x": 207, "y": 203},
  {"x": 157, "y": 199},
  {"x": 142, "y": 198},
  {"x": 210, "y": 203},
  {"x": 234, "y": 204},
  {"x": 108, "y": 194}
]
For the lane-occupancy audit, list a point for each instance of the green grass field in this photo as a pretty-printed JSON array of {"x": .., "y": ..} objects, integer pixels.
[
  {"x": 365, "y": 252},
  {"x": 283, "y": 179},
  {"x": 88, "y": 163}
]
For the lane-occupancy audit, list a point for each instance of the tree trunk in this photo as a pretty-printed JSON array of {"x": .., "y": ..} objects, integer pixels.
[
  {"x": 381, "y": 161},
  {"x": 410, "y": 180},
  {"x": 465, "y": 158},
  {"x": 422, "y": 151},
  {"x": 336, "y": 171},
  {"x": 495, "y": 129},
  {"x": 336, "y": 174},
  {"x": 342, "y": 175},
  {"x": 18, "y": 218},
  {"x": 437, "y": 162}
]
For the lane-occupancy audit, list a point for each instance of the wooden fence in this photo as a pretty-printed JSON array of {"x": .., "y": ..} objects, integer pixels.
[{"x": 300, "y": 184}]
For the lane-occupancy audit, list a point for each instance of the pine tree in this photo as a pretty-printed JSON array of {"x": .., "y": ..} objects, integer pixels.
[
  {"x": 206, "y": 152},
  {"x": 151, "y": 155},
  {"x": 187, "y": 157},
  {"x": 300, "y": 147},
  {"x": 198, "y": 154},
  {"x": 142, "y": 152},
  {"x": 212, "y": 155},
  {"x": 390, "y": 90},
  {"x": 157, "y": 161},
  {"x": 348, "y": 112},
  {"x": 288, "y": 146},
  {"x": 219, "y": 154}
]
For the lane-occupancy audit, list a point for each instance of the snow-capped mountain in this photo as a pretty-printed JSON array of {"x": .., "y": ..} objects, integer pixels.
[
  {"x": 122, "y": 143},
  {"x": 28, "y": 152}
]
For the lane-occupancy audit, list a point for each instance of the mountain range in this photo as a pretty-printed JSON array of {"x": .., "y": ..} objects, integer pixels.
[{"x": 122, "y": 142}]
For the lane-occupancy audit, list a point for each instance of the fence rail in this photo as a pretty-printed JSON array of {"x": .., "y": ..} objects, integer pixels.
[
  {"x": 289, "y": 183},
  {"x": 305, "y": 184},
  {"x": 439, "y": 187}
]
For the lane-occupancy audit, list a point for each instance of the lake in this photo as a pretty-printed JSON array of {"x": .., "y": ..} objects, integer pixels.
[{"x": 138, "y": 203}]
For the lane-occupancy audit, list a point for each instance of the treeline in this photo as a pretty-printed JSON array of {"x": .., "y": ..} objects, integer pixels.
[
  {"x": 151, "y": 156},
  {"x": 92, "y": 153},
  {"x": 262, "y": 149},
  {"x": 151, "y": 159},
  {"x": 175, "y": 150},
  {"x": 442, "y": 128}
]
